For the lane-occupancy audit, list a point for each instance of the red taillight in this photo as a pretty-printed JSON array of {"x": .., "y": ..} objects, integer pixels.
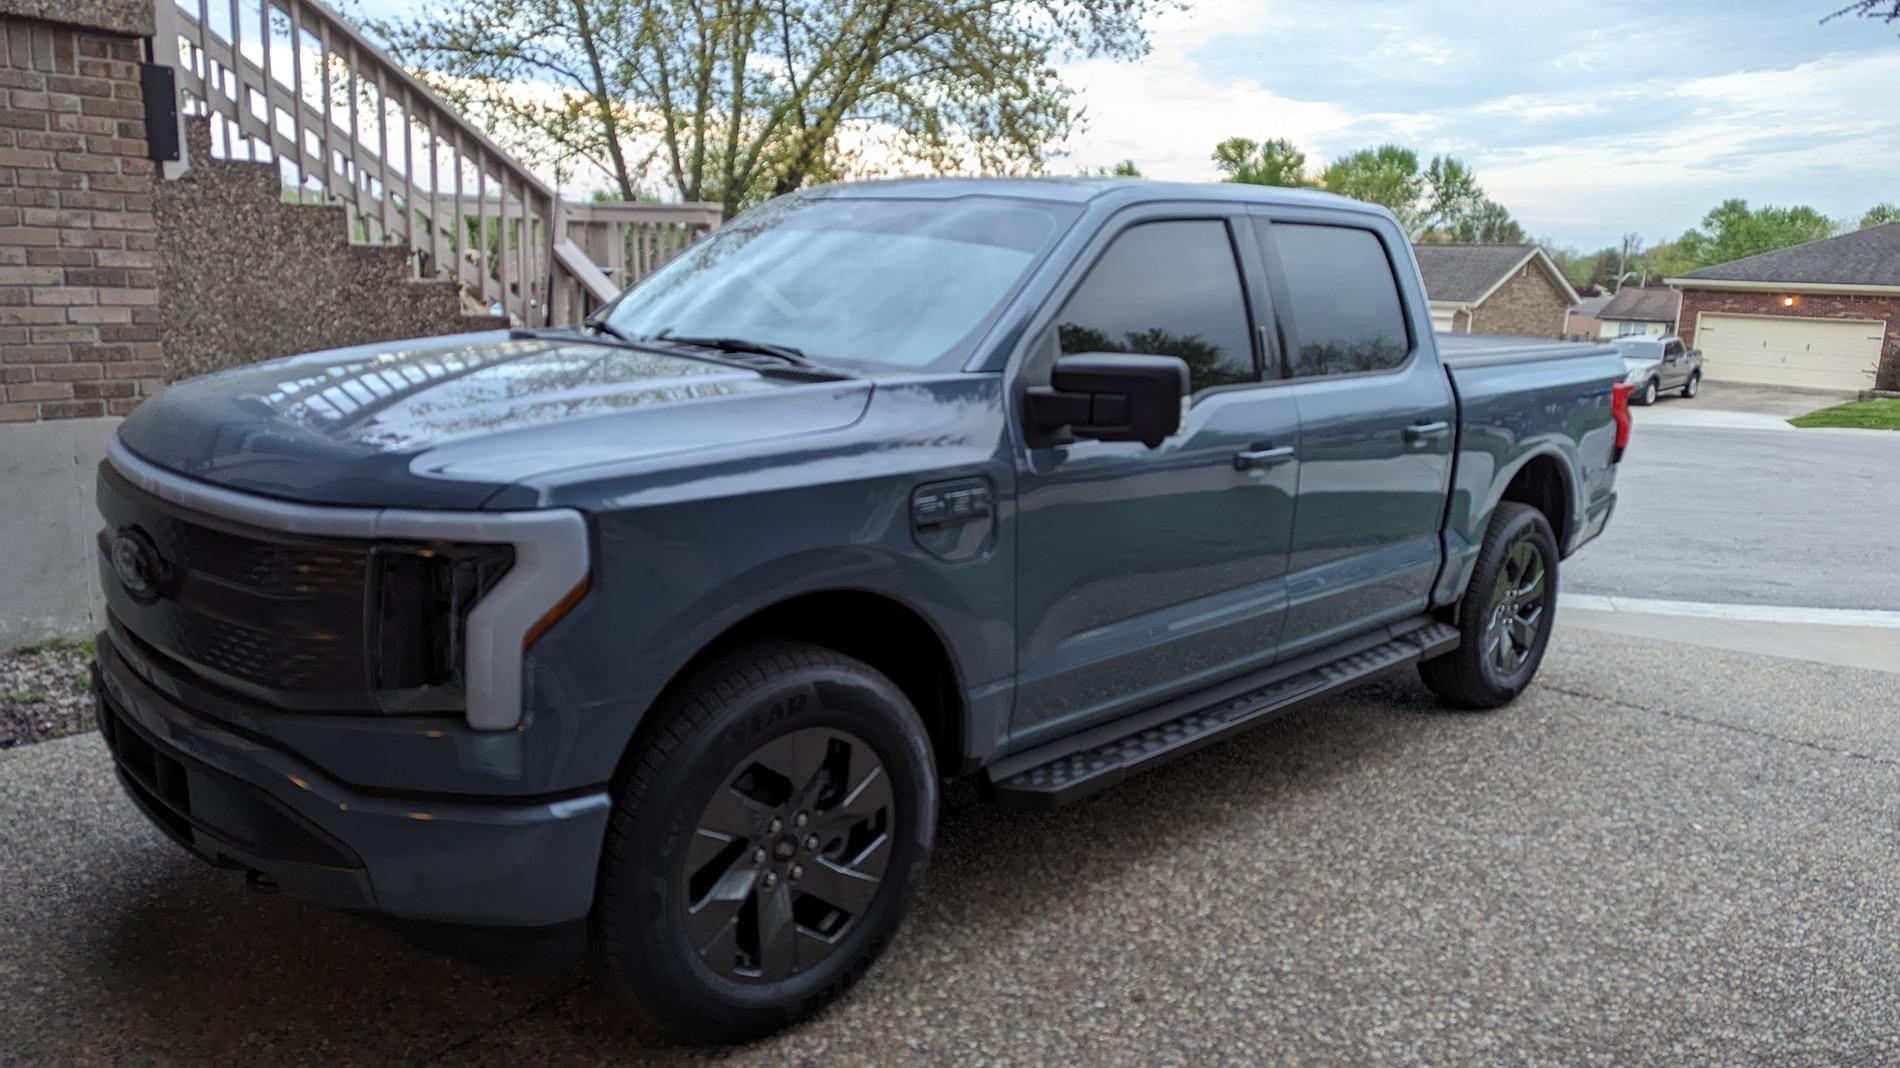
[{"x": 1620, "y": 408}]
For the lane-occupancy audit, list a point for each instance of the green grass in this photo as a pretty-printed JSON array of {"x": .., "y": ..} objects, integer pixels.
[
  {"x": 66, "y": 644},
  {"x": 1879, "y": 414}
]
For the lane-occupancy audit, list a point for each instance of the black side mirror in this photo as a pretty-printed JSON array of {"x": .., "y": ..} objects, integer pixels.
[{"x": 1109, "y": 396}]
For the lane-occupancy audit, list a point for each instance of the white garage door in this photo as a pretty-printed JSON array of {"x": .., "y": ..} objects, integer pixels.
[{"x": 1790, "y": 351}]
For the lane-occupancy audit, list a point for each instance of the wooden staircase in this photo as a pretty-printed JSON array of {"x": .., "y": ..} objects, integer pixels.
[{"x": 291, "y": 83}]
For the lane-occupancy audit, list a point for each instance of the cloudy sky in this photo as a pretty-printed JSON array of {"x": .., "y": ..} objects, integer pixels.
[{"x": 1585, "y": 119}]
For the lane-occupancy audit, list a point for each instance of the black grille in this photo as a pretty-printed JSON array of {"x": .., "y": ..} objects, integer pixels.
[
  {"x": 153, "y": 777},
  {"x": 186, "y": 798},
  {"x": 274, "y": 616}
]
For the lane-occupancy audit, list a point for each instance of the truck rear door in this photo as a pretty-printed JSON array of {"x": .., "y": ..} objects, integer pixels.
[{"x": 1377, "y": 422}]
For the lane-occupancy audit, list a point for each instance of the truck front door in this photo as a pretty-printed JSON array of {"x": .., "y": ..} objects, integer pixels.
[{"x": 1144, "y": 572}]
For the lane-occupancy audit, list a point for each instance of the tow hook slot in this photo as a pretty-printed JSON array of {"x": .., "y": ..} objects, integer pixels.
[{"x": 258, "y": 882}]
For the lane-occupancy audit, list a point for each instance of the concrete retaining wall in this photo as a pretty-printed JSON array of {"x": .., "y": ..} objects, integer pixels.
[{"x": 48, "y": 581}]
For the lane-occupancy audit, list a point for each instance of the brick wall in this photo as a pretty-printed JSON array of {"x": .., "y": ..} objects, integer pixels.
[
  {"x": 79, "y": 328},
  {"x": 1809, "y": 306},
  {"x": 1529, "y": 305}
]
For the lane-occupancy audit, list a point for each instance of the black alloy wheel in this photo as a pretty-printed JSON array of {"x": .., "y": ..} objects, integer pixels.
[
  {"x": 1517, "y": 609},
  {"x": 788, "y": 855}
]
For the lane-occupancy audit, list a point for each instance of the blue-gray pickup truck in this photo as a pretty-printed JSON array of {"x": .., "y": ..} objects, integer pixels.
[{"x": 652, "y": 640}]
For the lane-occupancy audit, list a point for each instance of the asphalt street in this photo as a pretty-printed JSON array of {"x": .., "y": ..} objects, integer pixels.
[
  {"x": 1749, "y": 516},
  {"x": 1631, "y": 865}
]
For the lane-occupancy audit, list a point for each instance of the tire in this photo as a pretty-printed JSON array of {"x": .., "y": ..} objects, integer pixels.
[
  {"x": 709, "y": 757},
  {"x": 1648, "y": 396},
  {"x": 1693, "y": 385},
  {"x": 1477, "y": 675}
]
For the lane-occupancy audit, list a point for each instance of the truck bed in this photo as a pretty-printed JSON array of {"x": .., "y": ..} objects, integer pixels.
[{"x": 1484, "y": 350}]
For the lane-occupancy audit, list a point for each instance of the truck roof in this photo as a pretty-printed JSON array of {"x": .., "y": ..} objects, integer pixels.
[{"x": 1082, "y": 189}]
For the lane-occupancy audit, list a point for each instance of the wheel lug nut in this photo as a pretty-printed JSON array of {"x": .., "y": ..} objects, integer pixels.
[
  {"x": 801, "y": 819},
  {"x": 773, "y": 827},
  {"x": 797, "y": 871},
  {"x": 812, "y": 843},
  {"x": 771, "y": 879},
  {"x": 758, "y": 856}
]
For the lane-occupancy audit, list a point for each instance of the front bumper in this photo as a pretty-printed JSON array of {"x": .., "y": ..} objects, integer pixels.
[{"x": 239, "y": 801}]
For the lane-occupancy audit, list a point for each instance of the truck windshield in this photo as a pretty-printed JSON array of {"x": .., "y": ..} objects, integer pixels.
[{"x": 908, "y": 283}]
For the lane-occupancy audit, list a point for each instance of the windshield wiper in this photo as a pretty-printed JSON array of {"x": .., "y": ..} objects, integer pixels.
[
  {"x": 738, "y": 345},
  {"x": 602, "y": 326}
]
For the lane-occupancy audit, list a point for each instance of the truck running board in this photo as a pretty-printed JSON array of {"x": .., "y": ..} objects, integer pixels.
[{"x": 1098, "y": 766}]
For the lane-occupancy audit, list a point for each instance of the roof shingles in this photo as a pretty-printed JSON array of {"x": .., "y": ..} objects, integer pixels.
[
  {"x": 1642, "y": 305},
  {"x": 1466, "y": 272},
  {"x": 1869, "y": 257}
]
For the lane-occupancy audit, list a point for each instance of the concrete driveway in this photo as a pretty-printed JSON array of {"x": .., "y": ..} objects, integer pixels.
[
  {"x": 1632, "y": 865},
  {"x": 1761, "y": 400}
]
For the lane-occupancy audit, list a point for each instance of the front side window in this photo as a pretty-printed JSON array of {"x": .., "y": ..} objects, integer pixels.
[
  {"x": 1674, "y": 348},
  {"x": 1166, "y": 289},
  {"x": 904, "y": 283},
  {"x": 1345, "y": 315}
]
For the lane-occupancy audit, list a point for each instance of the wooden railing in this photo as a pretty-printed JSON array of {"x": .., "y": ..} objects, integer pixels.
[{"x": 291, "y": 82}]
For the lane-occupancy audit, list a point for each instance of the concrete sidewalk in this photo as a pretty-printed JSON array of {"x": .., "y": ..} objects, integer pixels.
[{"x": 1868, "y": 640}]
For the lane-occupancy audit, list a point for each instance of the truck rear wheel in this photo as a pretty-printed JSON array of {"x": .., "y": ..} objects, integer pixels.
[
  {"x": 1504, "y": 620},
  {"x": 768, "y": 833}
]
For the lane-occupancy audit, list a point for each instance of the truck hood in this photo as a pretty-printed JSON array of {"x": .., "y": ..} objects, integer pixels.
[{"x": 449, "y": 422}]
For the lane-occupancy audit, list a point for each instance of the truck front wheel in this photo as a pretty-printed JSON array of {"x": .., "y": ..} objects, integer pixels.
[
  {"x": 1504, "y": 620},
  {"x": 768, "y": 833}
]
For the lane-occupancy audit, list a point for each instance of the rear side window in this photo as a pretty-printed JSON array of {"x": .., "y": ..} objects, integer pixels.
[
  {"x": 1166, "y": 289},
  {"x": 1345, "y": 315}
]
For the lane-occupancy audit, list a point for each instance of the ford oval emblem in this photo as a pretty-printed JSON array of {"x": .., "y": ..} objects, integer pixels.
[{"x": 139, "y": 567}]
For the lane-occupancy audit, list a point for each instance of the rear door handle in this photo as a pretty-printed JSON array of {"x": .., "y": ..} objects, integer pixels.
[
  {"x": 1418, "y": 432},
  {"x": 1247, "y": 459}
]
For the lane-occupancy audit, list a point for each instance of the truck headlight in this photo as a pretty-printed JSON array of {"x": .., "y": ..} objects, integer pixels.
[{"x": 419, "y": 600}]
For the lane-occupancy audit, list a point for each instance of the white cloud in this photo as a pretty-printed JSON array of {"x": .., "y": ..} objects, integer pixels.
[
  {"x": 1167, "y": 114},
  {"x": 1820, "y": 133}
]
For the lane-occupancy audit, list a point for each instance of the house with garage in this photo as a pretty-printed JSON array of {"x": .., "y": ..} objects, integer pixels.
[
  {"x": 1640, "y": 311},
  {"x": 1495, "y": 289},
  {"x": 1824, "y": 315}
]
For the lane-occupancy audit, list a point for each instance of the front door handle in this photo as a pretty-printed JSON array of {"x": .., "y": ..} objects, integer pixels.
[
  {"x": 1247, "y": 459},
  {"x": 1418, "y": 432}
]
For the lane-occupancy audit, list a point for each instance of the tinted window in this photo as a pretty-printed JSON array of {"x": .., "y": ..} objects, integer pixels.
[
  {"x": 1166, "y": 289},
  {"x": 1345, "y": 314},
  {"x": 1674, "y": 348}
]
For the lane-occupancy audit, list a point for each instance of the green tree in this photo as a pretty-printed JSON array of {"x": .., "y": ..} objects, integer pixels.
[
  {"x": 1441, "y": 202},
  {"x": 1275, "y": 161},
  {"x": 1452, "y": 198},
  {"x": 1387, "y": 175},
  {"x": 1124, "y": 169},
  {"x": 1732, "y": 231},
  {"x": 1489, "y": 223},
  {"x": 738, "y": 100},
  {"x": 1880, "y": 215}
]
